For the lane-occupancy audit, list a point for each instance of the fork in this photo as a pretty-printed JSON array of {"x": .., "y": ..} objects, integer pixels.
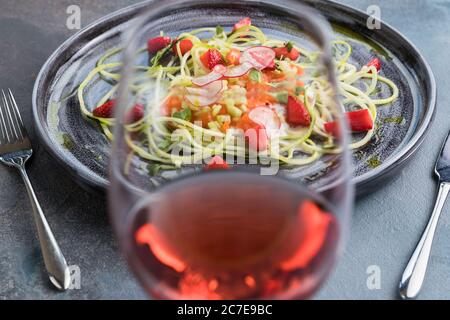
[{"x": 15, "y": 150}]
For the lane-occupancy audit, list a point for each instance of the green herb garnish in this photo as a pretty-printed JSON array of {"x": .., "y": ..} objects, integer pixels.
[
  {"x": 184, "y": 114},
  {"x": 299, "y": 90},
  {"x": 282, "y": 97},
  {"x": 397, "y": 120},
  {"x": 68, "y": 142},
  {"x": 255, "y": 75},
  {"x": 164, "y": 144},
  {"x": 219, "y": 30},
  {"x": 289, "y": 46},
  {"x": 373, "y": 162},
  {"x": 153, "y": 169}
]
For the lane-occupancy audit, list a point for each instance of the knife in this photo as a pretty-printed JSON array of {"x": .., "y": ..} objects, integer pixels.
[{"x": 414, "y": 274}]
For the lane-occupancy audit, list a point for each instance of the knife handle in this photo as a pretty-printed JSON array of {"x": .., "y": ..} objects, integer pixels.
[{"x": 414, "y": 274}]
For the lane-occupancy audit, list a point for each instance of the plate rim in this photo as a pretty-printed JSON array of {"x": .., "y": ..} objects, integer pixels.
[{"x": 362, "y": 183}]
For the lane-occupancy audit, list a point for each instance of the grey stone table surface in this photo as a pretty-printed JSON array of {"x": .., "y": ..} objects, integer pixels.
[{"x": 386, "y": 224}]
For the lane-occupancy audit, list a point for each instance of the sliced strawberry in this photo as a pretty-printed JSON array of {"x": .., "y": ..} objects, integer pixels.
[
  {"x": 105, "y": 110},
  {"x": 136, "y": 113},
  {"x": 216, "y": 162},
  {"x": 185, "y": 46},
  {"x": 158, "y": 43},
  {"x": 358, "y": 121},
  {"x": 260, "y": 56},
  {"x": 294, "y": 54},
  {"x": 297, "y": 114},
  {"x": 376, "y": 63},
  {"x": 242, "y": 23},
  {"x": 284, "y": 52},
  {"x": 211, "y": 58}
]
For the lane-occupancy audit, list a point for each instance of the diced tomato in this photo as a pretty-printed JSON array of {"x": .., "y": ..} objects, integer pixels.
[
  {"x": 316, "y": 224},
  {"x": 244, "y": 22},
  {"x": 297, "y": 114},
  {"x": 258, "y": 93},
  {"x": 185, "y": 46},
  {"x": 225, "y": 126},
  {"x": 233, "y": 57},
  {"x": 158, "y": 43},
  {"x": 281, "y": 52},
  {"x": 216, "y": 162},
  {"x": 171, "y": 103},
  {"x": 300, "y": 70},
  {"x": 211, "y": 58},
  {"x": 358, "y": 121},
  {"x": 376, "y": 63}
]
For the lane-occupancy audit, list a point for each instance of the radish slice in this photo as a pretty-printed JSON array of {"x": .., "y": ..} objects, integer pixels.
[
  {"x": 201, "y": 101},
  {"x": 239, "y": 70},
  {"x": 267, "y": 118},
  {"x": 209, "y": 90},
  {"x": 214, "y": 75},
  {"x": 260, "y": 56},
  {"x": 207, "y": 79},
  {"x": 220, "y": 68}
]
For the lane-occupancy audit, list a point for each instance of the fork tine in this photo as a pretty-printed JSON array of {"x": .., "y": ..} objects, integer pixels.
[
  {"x": 14, "y": 130},
  {"x": 17, "y": 115},
  {"x": 5, "y": 133}
]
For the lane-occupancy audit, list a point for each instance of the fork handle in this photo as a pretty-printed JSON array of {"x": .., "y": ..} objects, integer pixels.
[
  {"x": 414, "y": 274},
  {"x": 54, "y": 260}
]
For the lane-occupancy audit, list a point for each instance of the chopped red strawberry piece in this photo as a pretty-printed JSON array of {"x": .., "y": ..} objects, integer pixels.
[
  {"x": 375, "y": 62},
  {"x": 158, "y": 43},
  {"x": 297, "y": 114},
  {"x": 105, "y": 110},
  {"x": 244, "y": 22},
  {"x": 136, "y": 113},
  {"x": 211, "y": 58},
  {"x": 216, "y": 162},
  {"x": 358, "y": 121},
  {"x": 294, "y": 54},
  {"x": 185, "y": 46},
  {"x": 284, "y": 52}
]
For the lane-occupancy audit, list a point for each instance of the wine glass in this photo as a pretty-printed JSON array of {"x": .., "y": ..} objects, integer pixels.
[{"x": 206, "y": 206}]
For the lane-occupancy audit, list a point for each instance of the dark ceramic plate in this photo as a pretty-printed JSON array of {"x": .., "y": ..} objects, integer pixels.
[{"x": 79, "y": 145}]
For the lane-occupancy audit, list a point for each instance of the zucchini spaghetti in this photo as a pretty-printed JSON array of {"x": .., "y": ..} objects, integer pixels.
[{"x": 208, "y": 87}]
